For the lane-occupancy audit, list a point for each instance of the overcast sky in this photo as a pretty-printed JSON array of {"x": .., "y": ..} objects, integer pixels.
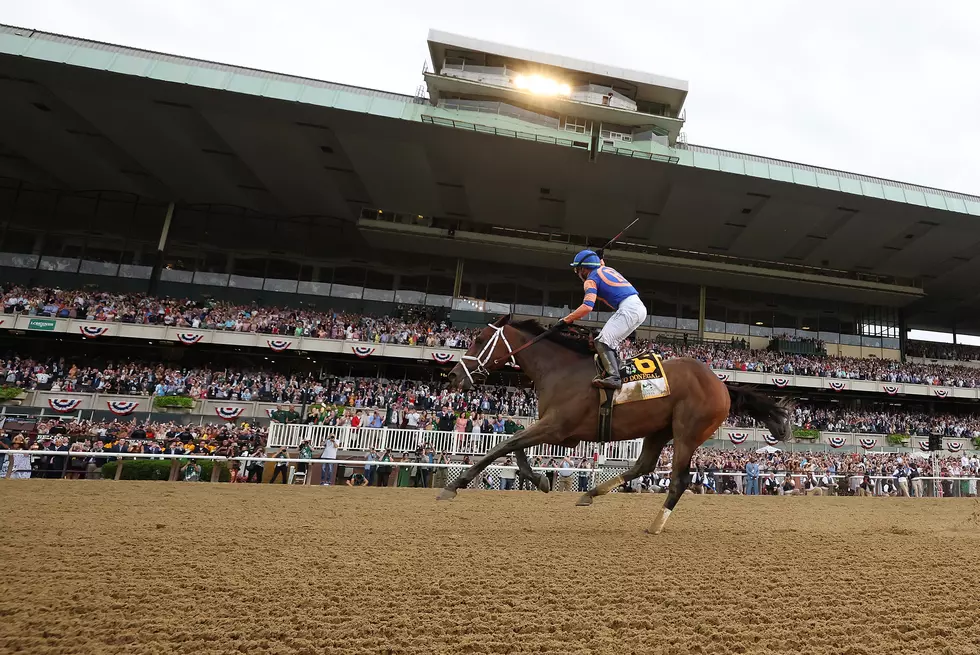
[{"x": 885, "y": 87}]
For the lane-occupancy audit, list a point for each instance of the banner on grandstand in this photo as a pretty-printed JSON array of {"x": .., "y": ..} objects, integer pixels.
[
  {"x": 769, "y": 439},
  {"x": 837, "y": 385},
  {"x": 64, "y": 405},
  {"x": 836, "y": 442},
  {"x": 738, "y": 438},
  {"x": 92, "y": 331},
  {"x": 941, "y": 393},
  {"x": 924, "y": 445},
  {"x": 229, "y": 413},
  {"x": 189, "y": 338},
  {"x": 443, "y": 358},
  {"x": 43, "y": 324},
  {"x": 867, "y": 444},
  {"x": 954, "y": 446},
  {"x": 278, "y": 345},
  {"x": 890, "y": 389},
  {"x": 362, "y": 351},
  {"x": 780, "y": 381},
  {"x": 722, "y": 376},
  {"x": 122, "y": 407}
]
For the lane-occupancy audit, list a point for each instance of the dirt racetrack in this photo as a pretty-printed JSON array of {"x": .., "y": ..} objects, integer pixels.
[{"x": 153, "y": 567}]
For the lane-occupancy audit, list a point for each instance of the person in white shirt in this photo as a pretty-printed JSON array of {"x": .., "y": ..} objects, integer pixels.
[
  {"x": 326, "y": 469},
  {"x": 507, "y": 475},
  {"x": 565, "y": 474},
  {"x": 412, "y": 418}
]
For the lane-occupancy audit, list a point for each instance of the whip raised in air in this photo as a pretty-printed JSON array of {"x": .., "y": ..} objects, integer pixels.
[{"x": 602, "y": 250}]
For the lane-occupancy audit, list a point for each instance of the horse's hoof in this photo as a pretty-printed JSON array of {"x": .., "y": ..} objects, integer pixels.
[
  {"x": 543, "y": 484},
  {"x": 446, "y": 494},
  {"x": 584, "y": 501}
]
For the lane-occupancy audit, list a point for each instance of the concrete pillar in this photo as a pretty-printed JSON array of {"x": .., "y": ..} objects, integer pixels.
[
  {"x": 458, "y": 284},
  {"x": 161, "y": 246},
  {"x": 702, "y": 297}
]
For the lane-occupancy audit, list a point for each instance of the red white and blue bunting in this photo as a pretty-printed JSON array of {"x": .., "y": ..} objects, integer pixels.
[
  {"x": 229, "y": 413},
  {"x": 867, "y": 444},
  {"x": 189, "y": 338},
  {"x": 890, "y": 389},
  {"x": 954, "y": 446},
  {"x": 362, "y": 351},
  {"x": 836, "y": 442},
  {"x": 279, "y": 345},
  {"x": 92, "y": 331},
  {"x": 769, "y": 439},
  {"x": 941, "y": 393},
  {"x": 443, "y": 358},
  {"x": 837, "y": 385},
  {"x": 722, "y": 376},
  {"x": 780, "y": 382},
  {"x": 738, "y": 438},
  {"x": 122, "y": 407},
  {"x": 924, "y": 445},
  {"x": 64, "y": 405}
]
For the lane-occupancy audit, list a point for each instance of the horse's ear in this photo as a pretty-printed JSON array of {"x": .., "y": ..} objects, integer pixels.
[{"x": 503, "y": 320}]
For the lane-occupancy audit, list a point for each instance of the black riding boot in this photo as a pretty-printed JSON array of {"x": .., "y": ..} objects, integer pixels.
[{"x": 607, "y": 357}]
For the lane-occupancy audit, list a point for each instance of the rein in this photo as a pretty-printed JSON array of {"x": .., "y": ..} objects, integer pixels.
[{"x": 530, "y": 343}]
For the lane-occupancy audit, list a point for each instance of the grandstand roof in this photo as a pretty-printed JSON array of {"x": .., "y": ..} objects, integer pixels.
[{"x": 88, "y": 115}]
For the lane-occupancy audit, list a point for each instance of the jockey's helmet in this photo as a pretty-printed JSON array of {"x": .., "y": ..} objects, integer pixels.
[{"x": 586, "y": 259}]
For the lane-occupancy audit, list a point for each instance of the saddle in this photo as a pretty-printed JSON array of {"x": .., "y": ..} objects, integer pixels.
[{"x": 643, "y": 379}]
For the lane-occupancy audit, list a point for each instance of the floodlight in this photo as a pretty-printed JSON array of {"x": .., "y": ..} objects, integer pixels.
[{"x": 541, "y": 85}]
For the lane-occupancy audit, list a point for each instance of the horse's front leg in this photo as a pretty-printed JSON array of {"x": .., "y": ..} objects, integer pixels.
[
  {"x": 540, "y": 479},
  {"x": 537, "y": 433}
]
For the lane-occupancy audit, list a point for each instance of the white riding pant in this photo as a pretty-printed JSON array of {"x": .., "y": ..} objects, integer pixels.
[{"x": 631, "y": 313}]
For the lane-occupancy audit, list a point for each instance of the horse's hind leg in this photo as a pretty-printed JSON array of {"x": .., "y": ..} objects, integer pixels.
[
  {"x": 649, "y": 454},
  {"x": 680, "y": 477},
  {"x": 540, "y": 479}
]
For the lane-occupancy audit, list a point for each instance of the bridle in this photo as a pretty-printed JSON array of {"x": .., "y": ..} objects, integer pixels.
[{"x": 486, "y": 354}]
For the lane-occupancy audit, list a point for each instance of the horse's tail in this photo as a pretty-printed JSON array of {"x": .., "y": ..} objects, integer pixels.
[{"x": 774, "y": 414}]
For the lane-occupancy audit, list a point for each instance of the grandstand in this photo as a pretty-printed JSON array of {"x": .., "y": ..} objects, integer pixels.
[{"x": 190, "y": 215}]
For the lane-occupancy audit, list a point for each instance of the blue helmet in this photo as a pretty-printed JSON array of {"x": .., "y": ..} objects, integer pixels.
[{"x": 586, "y": 259}]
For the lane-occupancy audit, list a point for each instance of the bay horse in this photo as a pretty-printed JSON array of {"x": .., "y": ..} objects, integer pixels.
[{"x": 562, "y": 369}]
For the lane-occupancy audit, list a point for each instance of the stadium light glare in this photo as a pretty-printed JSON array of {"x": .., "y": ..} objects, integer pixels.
[{"x": 541, "y": 85}]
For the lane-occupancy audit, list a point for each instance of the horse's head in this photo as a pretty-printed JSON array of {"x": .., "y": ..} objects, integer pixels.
[{"x": 490, "y": 351}]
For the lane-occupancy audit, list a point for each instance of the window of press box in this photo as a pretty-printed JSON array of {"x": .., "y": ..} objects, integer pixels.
[
  {"x": 17, "y": 241},
  {"x": 282, "y": 269},
  {"x": 249, "y": 266}
]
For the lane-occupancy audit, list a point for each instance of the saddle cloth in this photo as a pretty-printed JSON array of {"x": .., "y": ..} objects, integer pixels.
[{"x": 643, "y": 379}]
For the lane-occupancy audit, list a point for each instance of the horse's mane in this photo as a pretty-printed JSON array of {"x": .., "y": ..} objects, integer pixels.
[{"x": 577, "y": 341}]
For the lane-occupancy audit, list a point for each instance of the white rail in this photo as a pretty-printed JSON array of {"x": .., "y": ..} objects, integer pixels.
[
  {"x": 453, "y": 443},
  {"x": 595, "y": 475}
]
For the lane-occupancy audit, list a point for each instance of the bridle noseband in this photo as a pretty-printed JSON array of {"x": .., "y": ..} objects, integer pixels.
[{"x": 486, "y": 354}]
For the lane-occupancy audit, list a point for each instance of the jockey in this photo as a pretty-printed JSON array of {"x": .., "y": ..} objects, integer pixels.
[{"x": 604, "y": 283}]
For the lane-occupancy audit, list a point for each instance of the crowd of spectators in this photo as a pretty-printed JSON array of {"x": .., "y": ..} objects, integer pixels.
[
  {"x": 948, "y": 351},
  {"x": 834, "y": 418},
  {"x": 145, "y": 378},
  {"x": 419, "y": 330},
  {"x": 723, "y": 357},
  {"x": 105, "y": 441},
  {"x": 136, "y": 308},
  {"x": 865, "y": 473}
]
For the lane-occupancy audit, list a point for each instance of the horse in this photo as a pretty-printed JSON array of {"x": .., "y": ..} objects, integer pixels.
[{"x": 562, "y": 368}]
